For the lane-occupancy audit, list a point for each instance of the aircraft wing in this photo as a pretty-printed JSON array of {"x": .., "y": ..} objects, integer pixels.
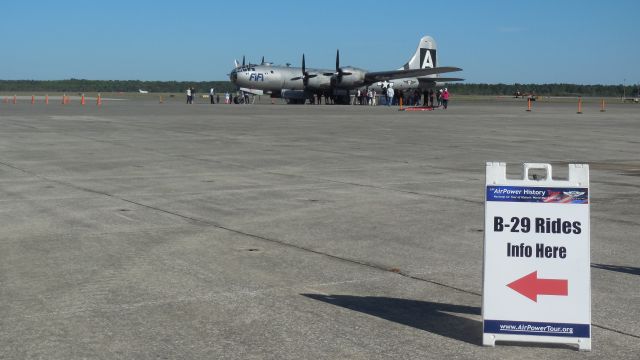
[{"x": 372, "y": 77}]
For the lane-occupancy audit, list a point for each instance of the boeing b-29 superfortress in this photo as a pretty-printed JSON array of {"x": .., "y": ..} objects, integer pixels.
[{"x": 298, "y": 84}]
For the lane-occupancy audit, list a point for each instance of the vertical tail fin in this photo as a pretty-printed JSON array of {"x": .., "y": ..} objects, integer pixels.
[{"x": 425, "y": 55}]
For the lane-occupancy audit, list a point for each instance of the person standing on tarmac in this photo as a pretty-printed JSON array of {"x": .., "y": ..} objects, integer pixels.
[
  {"x": 390, "y": 94},
  {"x": 189, "y": 96},
  {"x": 445, "y": 98},
  {"x": 212, "y": 92}
]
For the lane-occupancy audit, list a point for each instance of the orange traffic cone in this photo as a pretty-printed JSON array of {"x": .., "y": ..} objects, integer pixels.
[
  {"x": 15, "y": 99},
  {"x": 46, "y": 99},
  {"x": 529, "y": 104},
  {"x": 579, "y": 105},
  {"x": 82, "y": 100},
  {"x": 33, "y": 99},
  {"x": 99, "y": 101}
]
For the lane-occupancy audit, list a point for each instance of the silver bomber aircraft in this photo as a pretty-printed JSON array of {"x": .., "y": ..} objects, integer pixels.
[{"x": 298, "y": 84}]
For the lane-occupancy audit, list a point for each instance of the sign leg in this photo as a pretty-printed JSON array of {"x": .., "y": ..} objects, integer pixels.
[
  {"x": 488, "y": 340},
  {"x": 584, "y": 344}
]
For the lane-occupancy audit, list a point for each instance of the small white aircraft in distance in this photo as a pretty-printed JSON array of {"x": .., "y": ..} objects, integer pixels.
[{"x": 143, "y": 91}]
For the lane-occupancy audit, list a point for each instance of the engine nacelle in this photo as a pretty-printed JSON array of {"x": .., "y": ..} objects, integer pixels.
[
  {"x": 350, "y": 79},
  {"x": 319, "y": 82}
]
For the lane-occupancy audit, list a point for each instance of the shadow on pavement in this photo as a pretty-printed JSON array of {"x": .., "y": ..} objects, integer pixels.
[
  {"x": 622, "y": 269},
  {"x": 424, "y": 315}
]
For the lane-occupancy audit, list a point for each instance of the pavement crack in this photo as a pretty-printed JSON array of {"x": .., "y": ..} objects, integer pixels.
[
  {"x": 370, "y": 265},
  {"x": 615, "y": 330},
  {"x": 244, "y": 233}
]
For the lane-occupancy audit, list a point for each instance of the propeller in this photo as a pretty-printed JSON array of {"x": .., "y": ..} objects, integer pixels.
[
  {"x": 262, "y": 62},
  {"x": 305, "y": 75},
  {"x": 235, "y": 62},
  {"x": 339, "y": 73}
]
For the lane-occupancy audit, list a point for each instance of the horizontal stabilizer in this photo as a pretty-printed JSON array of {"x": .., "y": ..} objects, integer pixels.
[
  {"x": 398, "y": 74},
  {"x": 440, "y": 79}
]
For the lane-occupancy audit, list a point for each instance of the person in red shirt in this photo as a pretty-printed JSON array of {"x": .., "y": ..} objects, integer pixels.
[{"x": 445, "y": 98}]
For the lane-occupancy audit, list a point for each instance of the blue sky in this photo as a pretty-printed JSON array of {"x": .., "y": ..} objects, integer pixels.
[{"x": 538, "y": 41}]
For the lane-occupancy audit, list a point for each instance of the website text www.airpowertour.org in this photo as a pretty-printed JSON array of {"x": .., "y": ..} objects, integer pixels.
[{"x": 536, "y": 328}]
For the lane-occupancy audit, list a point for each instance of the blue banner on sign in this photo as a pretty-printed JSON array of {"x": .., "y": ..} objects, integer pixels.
[
  {"x": 538, "y": 194},
  {"x": 536, "y": 328}
]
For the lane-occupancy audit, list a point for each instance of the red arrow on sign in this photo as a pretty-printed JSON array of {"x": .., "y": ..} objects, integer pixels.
[{"x": 530, "y": 286}]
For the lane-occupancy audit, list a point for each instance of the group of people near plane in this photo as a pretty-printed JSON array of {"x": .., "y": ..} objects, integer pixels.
[
  {"x": 368, "y": 97},
  {"x": 431, "y": 98},
  {"x": 214, "y": 98}
]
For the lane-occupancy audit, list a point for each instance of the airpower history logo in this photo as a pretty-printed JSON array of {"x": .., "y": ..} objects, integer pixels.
[{"x": 537, "y": 194}]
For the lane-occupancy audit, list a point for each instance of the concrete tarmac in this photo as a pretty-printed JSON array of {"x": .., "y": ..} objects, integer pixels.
[{"x": 141, "y": 230}]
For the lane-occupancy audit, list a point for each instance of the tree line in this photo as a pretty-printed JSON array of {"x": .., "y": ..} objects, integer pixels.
[
  {"x": 544, "y": 89},
  {"x": 83, "y": 85}
]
